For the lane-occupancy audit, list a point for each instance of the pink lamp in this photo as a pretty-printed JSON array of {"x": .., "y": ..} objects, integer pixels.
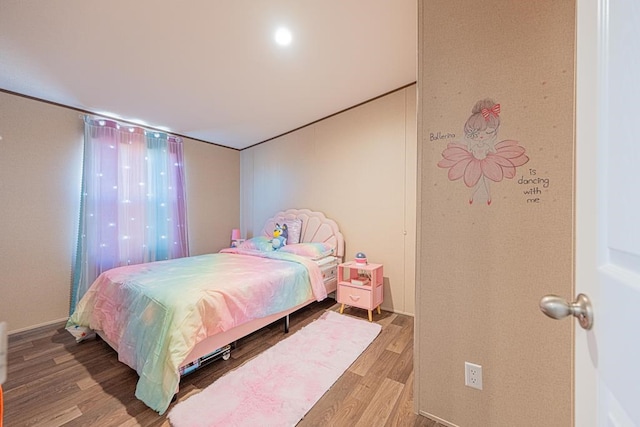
[{"x": 235, "y": 237}]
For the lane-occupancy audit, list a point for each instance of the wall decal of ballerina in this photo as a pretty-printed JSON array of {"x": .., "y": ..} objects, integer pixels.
[{"x": 481, "y": 159}]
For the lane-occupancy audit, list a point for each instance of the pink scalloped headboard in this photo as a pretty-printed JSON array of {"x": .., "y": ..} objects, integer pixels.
[{"x": 315, "y": 228}]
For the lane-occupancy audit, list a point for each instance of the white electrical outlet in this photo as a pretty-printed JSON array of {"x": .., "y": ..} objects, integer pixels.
[{"x": 473, "y": 375}]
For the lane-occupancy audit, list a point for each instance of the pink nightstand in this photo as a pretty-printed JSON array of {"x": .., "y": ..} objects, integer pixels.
[{"x": 360, "y": 286}]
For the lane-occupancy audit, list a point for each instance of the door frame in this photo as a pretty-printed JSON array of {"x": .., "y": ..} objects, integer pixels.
[{"x": 588, "y": 88}]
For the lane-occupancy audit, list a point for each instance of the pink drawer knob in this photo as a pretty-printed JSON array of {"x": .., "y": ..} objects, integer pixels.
[{"x": 354, "y": 297}]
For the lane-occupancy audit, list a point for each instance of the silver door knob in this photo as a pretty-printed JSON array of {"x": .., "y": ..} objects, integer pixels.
[{"x": 558, "y": 308}]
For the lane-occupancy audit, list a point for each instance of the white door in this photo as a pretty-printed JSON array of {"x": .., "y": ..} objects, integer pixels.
[{"x": 607, "y": 358}]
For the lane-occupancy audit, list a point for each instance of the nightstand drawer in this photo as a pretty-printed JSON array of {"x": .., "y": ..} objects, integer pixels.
[
  {"x": 329, "y": 272},
  {"x": 355, "y": 296}
]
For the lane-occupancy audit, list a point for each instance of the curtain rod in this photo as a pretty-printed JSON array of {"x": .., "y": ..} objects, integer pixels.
[{"x": 102, "y": 120}]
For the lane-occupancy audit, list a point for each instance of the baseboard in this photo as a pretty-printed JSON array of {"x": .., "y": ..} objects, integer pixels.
[
  {"x": 437, "y": 419},
  {"x": 399, "y": 312},
  {"x": 39, "y": 325}
]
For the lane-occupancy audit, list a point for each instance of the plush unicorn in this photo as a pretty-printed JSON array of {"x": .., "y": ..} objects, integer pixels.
[{"x": 280, "y": 235}]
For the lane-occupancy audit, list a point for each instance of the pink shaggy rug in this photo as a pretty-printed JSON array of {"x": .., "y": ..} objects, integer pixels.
[{"x": 279, "y": 386}]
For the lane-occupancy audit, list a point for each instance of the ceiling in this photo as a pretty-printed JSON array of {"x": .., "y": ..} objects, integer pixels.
[{"x": 208, "y": 69}]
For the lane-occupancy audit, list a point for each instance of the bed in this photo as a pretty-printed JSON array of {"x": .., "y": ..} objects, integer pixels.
[{"x": 164, "y": 318}]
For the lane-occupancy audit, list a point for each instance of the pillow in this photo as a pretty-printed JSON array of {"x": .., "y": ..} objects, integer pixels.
[
  {"x": 294, "y": 228},
  {"x": 258, "y": 243},
  {"x": 309, "y": 250}
]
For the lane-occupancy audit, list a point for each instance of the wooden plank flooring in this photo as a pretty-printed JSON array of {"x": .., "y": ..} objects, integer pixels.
[{"x": 52, "y": 381}]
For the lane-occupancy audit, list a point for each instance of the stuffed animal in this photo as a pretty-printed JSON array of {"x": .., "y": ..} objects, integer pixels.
[{"x": 280, "y": 235}]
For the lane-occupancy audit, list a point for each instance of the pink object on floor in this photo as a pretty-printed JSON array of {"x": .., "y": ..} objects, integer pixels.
[{"x": 279, "y": 386}]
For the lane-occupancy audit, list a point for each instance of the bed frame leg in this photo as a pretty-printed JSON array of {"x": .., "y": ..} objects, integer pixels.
[{"x": 286, "y": 324}]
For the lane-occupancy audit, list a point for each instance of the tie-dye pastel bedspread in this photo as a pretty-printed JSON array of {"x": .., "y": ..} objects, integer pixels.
[{"x": 157, "y": 312}]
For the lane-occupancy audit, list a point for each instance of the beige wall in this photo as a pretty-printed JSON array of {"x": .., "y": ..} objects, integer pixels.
[
  {"x": 213, "y": 195},
  {"x": 359, "y": 168},
  {"x": 482, "y": 269},
  {"x": 40, "y": 172}
]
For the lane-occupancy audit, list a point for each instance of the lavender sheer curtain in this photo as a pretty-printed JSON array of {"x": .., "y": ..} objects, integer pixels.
[{"x": 133, "y": 207}]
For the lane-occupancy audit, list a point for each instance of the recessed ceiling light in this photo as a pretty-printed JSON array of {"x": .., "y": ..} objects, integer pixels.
[{"x": 283, "y": 36}]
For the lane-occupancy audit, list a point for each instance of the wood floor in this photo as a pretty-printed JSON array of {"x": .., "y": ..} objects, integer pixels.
[{"x": 52, "y": 381}]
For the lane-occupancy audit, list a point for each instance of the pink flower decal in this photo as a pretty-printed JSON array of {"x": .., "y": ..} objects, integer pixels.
[{"x": 495, "y": 166}]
